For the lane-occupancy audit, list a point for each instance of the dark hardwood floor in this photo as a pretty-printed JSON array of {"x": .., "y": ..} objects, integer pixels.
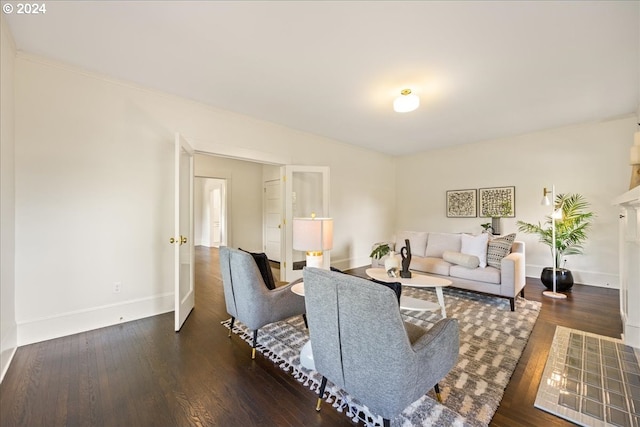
[{"x": 141, "y": 373}]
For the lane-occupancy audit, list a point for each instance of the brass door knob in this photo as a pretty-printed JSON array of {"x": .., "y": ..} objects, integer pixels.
[{"x": 183, "y": 240}]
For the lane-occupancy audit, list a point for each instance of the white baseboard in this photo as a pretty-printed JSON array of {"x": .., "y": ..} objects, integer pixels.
[
  {"x": 346, "y": 264},
  {"x": 591, "y": 278},
  {"x": 9, "y": 347},
  {"x": 42, "y": 329}
]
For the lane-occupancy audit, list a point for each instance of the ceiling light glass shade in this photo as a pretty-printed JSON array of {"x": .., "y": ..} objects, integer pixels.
[{"x": 406, "y": 102}]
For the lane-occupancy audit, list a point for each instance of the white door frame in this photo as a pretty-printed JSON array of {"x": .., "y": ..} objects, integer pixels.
[{"x": 288, "y": 199}]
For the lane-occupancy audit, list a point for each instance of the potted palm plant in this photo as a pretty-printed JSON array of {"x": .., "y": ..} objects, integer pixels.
[{"x": 571, "y": 233}]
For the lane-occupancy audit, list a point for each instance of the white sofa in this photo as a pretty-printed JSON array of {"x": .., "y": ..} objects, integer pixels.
[{"x": 455, "y": 256}]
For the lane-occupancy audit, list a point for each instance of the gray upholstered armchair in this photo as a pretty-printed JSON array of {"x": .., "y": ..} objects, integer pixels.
[
  {"x": 248, "y": 298},
  {"x": 361, "y": 344}
]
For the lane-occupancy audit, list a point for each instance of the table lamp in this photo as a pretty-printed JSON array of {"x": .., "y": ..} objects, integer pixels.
[{"x": 313, "y": 235}]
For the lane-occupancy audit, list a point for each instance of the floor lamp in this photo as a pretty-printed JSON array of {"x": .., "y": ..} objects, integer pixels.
[
  {"x": 555, "y": 213},
  {"x": 313, "y": 235}
]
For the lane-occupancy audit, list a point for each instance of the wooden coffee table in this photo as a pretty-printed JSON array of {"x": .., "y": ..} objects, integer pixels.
[{"x": 416, "y": 281}]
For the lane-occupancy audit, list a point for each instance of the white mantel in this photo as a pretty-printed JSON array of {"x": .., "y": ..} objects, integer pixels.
[{"x": 629, "y": 238}]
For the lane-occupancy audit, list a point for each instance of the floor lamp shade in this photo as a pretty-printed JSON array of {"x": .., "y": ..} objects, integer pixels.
[{"x": 313, "y": 235}]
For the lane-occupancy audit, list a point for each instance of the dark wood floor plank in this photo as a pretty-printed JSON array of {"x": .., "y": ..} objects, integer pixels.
[{"x": 142, "y": 373}]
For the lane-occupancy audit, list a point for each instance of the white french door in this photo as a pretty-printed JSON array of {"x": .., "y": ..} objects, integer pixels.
[
  {"x": 306, "y": 192},
  {"x": 183, "y": 232}
]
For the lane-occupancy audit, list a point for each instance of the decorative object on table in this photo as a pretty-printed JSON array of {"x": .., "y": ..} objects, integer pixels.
[
  {"x": 313, "y": 235},
  {"x": 391, "y": 263},
  {"x": 461, "y": 204},
  {"x": 471, "y": 392},
  {"x": 634, "y": 160},
  {"x": 564, "y": 231},
  {"x": 496, "y": 203},
  {"x": 405, "y": 253}
]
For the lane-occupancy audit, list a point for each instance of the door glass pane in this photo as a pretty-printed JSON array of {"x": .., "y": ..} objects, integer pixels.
[{"x": 307, "y": 200}]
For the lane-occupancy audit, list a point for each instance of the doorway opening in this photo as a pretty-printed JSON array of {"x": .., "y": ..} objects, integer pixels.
[{"x": 210, "y": 212}]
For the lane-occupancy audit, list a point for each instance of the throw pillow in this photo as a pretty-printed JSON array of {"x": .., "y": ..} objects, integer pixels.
[
  {"x": 469, "y": 261},
  {"x": 265, "y": 269},
  {"x": 394, "y": 286},
  {"x": 475, "y": 245},
  {"x": 499, "y": 248}
]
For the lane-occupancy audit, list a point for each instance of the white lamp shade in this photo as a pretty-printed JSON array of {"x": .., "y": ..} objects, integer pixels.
[
  {"x": 406, "y": 103},
  {"x": 312, "y": 234}
]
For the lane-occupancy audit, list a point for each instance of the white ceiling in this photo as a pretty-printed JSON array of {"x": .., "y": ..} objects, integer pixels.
[{"x": 483, "y": 70}]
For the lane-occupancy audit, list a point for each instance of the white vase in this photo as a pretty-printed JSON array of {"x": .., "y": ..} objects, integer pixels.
[{"x": 392, "y": 261}]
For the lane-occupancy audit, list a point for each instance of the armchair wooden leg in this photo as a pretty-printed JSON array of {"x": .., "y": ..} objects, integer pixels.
[
  {"x": 437, "y": 390},
  {"x": 253, "y": 347},
  {"x": 323, "y": 384},
  {"x": 304, "y": 317},
  {"x": 522, "y": 293},
  {"x": 386, "y": 422},
  {"x": 513, "y": 304},
  {"x": 233, "y": 319}
]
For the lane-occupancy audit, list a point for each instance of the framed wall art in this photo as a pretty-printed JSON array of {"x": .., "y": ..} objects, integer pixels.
[
  {"x": 462, "y": 204},
  {"x": 497, "y": 202}
]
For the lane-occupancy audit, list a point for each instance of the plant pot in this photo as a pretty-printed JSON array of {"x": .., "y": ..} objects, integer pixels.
[{"x": 564, "y": 279}]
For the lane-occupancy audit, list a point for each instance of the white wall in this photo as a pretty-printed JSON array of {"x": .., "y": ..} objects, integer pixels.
[
  {"x": 590, "y": 159},
  {"x": 8, "y": 327},
  {"x": 94, "y": 198}
]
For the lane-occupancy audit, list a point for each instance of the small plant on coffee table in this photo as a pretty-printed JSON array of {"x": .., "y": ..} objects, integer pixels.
[{"x": 379, "y": 251}]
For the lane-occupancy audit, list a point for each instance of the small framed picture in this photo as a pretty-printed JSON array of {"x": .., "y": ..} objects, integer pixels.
[
  {"x": 497, "y": 202},
  {"x": 462, "y": 204}
]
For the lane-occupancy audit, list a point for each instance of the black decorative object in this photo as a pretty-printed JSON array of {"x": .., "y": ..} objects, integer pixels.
[
  {"x": 405, "y": 253},
  {"x": 564, "y": 279}
]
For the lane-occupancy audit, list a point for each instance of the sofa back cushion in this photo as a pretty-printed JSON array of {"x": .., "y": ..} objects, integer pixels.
[
  {"x": 476, "y": 245},
  {"x": 417, "y": 240},
  {"x": 438, "y": 243},
  {"x": 499, "y": 248}
]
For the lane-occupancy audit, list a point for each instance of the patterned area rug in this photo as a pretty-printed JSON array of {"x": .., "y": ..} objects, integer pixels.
[{"x": 492, "y": 339}]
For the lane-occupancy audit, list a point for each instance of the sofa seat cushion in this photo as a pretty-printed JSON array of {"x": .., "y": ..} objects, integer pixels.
[
  {"x": 439, "y": 243},
  {"x": 488, "y": 274},
  {"x": 417, "y": 240},
  {"x": 430, "y": 265}
]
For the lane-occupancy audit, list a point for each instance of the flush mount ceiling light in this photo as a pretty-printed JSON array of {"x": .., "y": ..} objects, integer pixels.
[{"x": 406, "y": 102}]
